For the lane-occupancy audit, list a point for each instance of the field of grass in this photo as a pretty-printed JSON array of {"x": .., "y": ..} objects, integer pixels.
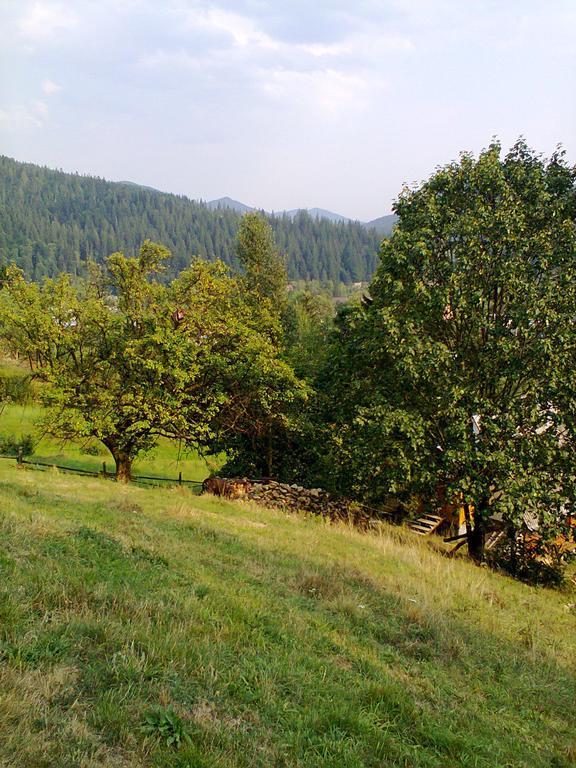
[
  {"x": 131, "y": 616},
  {"x": 167, "y": 460}
]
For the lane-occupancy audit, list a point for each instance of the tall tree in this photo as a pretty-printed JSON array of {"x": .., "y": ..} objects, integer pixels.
[
  {"x": 126, "y": 358},
  {"x": 264, "y": 268},
  {"x": 308, "y": 322},
  {"x": 459, "y": 373}
]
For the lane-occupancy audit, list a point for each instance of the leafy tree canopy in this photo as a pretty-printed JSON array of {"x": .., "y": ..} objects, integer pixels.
[
  {"x": 127, "y": 359},
  {"x": 458, "y": 375},
  {"x": 308, "y": 323},
  {"x": 264, "y": 268}
]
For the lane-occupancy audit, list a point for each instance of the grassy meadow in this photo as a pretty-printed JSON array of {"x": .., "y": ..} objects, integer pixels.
[
  {"x": 166, "y": 460},
  {"x": 152, "y": 627}
]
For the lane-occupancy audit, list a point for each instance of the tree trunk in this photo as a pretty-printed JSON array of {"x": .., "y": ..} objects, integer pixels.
[
  {"x": 123, "y": 467},
  {"x": 475, "y": 533},
  {"x": 122, "y": 460},
  {"x": 269, "y": 452}
]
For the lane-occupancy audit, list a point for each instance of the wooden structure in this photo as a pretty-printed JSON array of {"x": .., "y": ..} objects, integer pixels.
[{"x": 427, "y": 524}]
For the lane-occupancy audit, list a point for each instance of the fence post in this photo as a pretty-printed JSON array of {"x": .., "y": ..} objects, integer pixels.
[
  {"x": 104, "y": 468},
  {"x": 20, "y": 459},
  {"x": 180, "y": 478}
]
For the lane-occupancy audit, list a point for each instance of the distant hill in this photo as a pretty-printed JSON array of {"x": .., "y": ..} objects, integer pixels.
[
  {"x": 315, "y": 213},
  {"x": 53, "y": 222},
  {"x": 383, "y": 225},
  {"x": 227, "y": 202},
  {"x": 140, "y": 186},
  {"x": 319, "y": 213}
]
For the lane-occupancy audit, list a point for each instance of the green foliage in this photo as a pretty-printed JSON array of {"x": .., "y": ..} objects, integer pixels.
[
  {"x": 308, "y": 323},
  {"x": 94, "y": 449},
  {"x": 15, "y": 388},
  {"x": 263, "y": 410},
  {"x": 127, "y": 359},
  {"x": 56, "y": 222},
  {"x": 287, "y": 449},
  {"x": 163, "y": 723},
  {"x": 459, "y": 375},
  {"x": 264, "y": 269},
  {"x": 12, "y": 446},
  {"x": 532, "y": 560}
]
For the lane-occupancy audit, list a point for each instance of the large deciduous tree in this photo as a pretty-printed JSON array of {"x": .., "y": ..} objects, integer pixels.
[
  {"x": 127, "y": 359},
  {"x": 458, "y": 377}
]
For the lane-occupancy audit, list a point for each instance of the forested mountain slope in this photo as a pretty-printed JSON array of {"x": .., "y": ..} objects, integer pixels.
[{"x": 52, "y": 221}]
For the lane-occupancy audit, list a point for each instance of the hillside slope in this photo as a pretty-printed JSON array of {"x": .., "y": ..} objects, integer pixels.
[
  {"x": 277, "y": 640},
  {"x": 53, "y": 222},
  {"x": 383, "y": 225}
]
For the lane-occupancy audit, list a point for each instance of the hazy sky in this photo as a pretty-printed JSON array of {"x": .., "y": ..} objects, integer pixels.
[{"x": 282, "y": 103}]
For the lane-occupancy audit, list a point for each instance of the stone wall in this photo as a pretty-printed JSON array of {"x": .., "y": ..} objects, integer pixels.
[{"x": 295, "y": 498}]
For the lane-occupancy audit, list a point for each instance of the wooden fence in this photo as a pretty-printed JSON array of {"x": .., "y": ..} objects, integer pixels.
[
  {"x": 386, "y": 511},
  {"x": 143, "y": 479}
]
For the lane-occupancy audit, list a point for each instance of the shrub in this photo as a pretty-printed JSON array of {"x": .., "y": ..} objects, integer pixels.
[
  {"x": 10, "y": 445},
  {"x": 16, "y": 389},
  {"x": 532, "y": 559}
]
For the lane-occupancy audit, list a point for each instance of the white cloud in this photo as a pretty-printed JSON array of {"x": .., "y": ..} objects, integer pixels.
[
  {"x": 169, "y": 61},
  {"x": 42, "y": 20},
  {"x": 325, "y": 90},
  {"x": 319, "y": 50},
  {"x": 395, "y": 43},
  {"x": 49, "y": 87},
  {"x": 243, "y": 30},
  {"x": 41, "y": 110},
  {"x": 20, "y": 118}
]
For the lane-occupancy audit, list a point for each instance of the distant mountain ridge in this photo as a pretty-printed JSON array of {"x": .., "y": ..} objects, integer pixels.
[
  {"x": 383, "y": 225},
  {"x": 318, "y": 213},
  {"x": 53, "y": 222},
  {"x": 232, "y": 205}
]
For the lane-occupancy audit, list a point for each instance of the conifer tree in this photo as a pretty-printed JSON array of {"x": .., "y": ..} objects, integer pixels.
[{"x": 264, "y": 268}]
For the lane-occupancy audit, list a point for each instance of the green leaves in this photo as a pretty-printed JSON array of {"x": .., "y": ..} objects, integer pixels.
[
  {"x": 164, "y": 724},
  {"x": 140, "y": 360},
  {"x": 472, "y": 313},
  {"x": 265, "y": 271}
]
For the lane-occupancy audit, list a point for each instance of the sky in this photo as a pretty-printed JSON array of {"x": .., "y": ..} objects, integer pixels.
[{"x": 283, "y": 103}]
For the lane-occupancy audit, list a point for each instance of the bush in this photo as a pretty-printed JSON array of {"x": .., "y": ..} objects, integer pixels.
[
  {"x": 529, "y": 558},
  {"x": 16, "y": 389},
  {"x": 11, "y": 446}
]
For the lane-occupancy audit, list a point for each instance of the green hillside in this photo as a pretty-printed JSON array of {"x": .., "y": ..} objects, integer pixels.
[
  {"x": 384, "y": 224},
  {"x": 132, "y": 616},
  {"x": 53, "y": 222},
  {"x": 166, "y": 460}
]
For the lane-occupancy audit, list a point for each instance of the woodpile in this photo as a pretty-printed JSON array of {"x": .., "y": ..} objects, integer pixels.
[{"x": 228, "y": 488}]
